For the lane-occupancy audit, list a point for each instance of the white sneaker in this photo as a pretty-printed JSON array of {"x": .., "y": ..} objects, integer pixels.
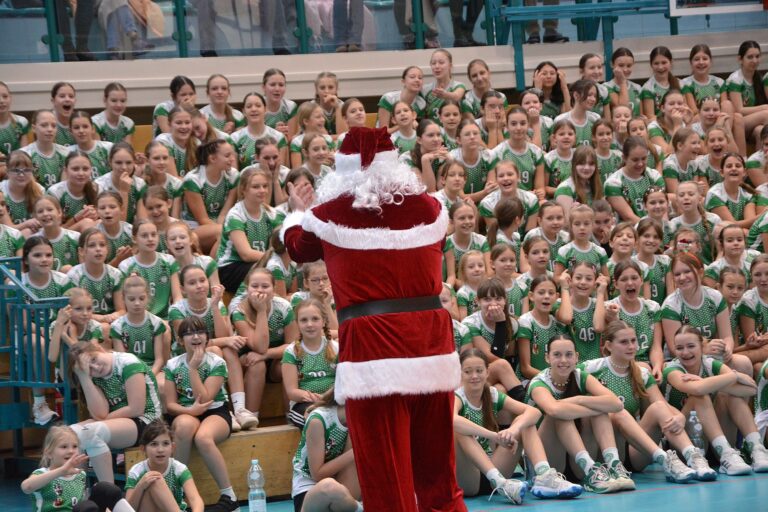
[
  {"x": 42, "y": 414},
  {"x": 599, "y": 480},
  {"x": 513, "y": 490},
  {"x": 699, "y": 465},
  {"x": 675, "y": 470},
  {"x": 552, "y": 484},
  {"x": 246, "y": 419},
  {"x": 621, "y": 477},
  {"x": 759, "y": 456},
  {"x": 732, "y": 464},
  {"x": 235, "y": 425}
]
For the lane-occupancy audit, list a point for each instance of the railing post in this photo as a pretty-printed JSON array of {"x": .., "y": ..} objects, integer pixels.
[
  {"x": 518, "y": 35},
  {"x": 302, "y": 32},
  {"x": 53, "y": 38},
  {"x": 418, "y": 23},
  {"x": 181, "y": 36}
]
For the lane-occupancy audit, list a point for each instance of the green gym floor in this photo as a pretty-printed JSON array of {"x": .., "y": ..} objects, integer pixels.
[{"x": 653, "y": 494}]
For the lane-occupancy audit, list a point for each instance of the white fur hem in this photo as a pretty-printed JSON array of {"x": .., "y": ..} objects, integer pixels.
[
  {"x": 347, "y": 164},
  {"x": 377, "y": 238},
  {"x": 397, "y": 376},
  {"x": 292, "y": 219}
]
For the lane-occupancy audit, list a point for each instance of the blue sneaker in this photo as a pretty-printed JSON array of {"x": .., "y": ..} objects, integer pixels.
[{"x": 552, "y": 484}]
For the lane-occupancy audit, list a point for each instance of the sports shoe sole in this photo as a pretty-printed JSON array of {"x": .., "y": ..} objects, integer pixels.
[
  {"x": 674, "y": 480},
  {"x": 545, "y": 493}
]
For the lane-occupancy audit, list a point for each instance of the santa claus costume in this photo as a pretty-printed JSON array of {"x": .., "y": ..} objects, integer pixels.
[{"x": 381, "y": 238}]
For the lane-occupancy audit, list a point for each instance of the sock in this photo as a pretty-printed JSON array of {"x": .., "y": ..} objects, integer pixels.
[
  {"x": 494, "y": 476},
  {"x": 688, "y": 452},
  {"x": 359, "y": 507},
  {"x": 517, "y": 393},
  {"x": 584, "y": 461},
  {"x": 720, "y": 443},
  {"x": 752, "y": 440},
  {"x": 541, "y": 468},
  {"x": 611, "y": 456},
  {"x": 238, "y": 400},
  {"x": 228, "y": 492},
  {"x": 39, "y": 399},
  {"x": 659, "y": 456}
]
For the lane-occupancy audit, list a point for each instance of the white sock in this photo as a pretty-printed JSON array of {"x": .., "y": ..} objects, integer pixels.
[
  {"x": 720, "y": 443},
  {"x": 39, "y": 399},
  {"x": 238, "y": 400},
  {"x": 752, "y": 440},
  {"x": 541, "y": 468},
  {"x": 585, "y": 461},
  {"x": 611, "y": 457},
  {"x": 659, "y": 456},
  {"x": 494, "y": 476},
  {"x": 228, "y": 492},
  {"x": 688, "y": 452},
  {"x": 359, "y": 507}
]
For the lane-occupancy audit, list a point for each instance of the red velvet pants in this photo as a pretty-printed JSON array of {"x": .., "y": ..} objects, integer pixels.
[{"x": 404, "y": 452}]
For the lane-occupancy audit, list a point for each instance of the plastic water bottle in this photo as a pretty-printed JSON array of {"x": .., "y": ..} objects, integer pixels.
[
  {"x": 696, "y": 432},
  {"x": 257, "y": 498}
]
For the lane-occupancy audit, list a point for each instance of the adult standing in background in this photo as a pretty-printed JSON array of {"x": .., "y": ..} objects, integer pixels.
[{"x": 348, "y": 25}]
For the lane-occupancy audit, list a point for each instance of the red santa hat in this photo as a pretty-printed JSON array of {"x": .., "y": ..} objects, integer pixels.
[{"x": 364, "y": 146}]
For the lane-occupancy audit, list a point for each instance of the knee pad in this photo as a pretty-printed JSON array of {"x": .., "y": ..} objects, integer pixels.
[{"x": 94, "y": 437}]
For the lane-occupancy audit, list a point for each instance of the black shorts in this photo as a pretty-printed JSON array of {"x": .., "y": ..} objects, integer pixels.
[
  {"x": 222, "y": 411},
  {"x": 296, "y": 413},
  {"x": 140, "y": 428},
  {"x": 298, "y": 501},
  {"x": 233, "y": 274}
]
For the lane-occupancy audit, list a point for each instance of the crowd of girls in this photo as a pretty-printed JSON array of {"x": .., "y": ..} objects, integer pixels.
[{"x": 602, "y": 263}]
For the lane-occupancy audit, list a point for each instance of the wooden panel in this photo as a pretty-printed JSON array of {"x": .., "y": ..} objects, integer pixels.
[
  {"x": 272, "y": 404},
  {"x": 141, "y": 137},
  {"x": 370, "y": 120},
  {"x": 273, "y": 446}
]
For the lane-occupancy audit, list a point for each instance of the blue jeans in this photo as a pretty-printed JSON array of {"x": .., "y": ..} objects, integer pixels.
[
  {"x": 347, "y": 22},
  {"x": 119, "y": 20}
]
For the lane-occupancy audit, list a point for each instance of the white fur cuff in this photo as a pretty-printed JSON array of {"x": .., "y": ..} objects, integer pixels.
[{"x": 292, "y": 219}]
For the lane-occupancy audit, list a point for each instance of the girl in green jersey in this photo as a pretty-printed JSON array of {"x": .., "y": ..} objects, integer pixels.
[
  {"x": 588, "y": 311},
  {"x": 183, "y": 92},
  {"x": 183, "y": 246},
  {"x": 673, "y": 115},
  {"x": 117, "y": 231},
  {"x": 626, "y": 188},
  {"x": 747, "y": 92},
  {"x": 111, "y": 125},
  {"x": 311, "y": 120},
  {"x": 219, "y": 113},
  {"x": 557, "y": 163},
  {"x": 59, "y": 484},
  {"x": 158, "y": 205},
  {"x": 733, "y": 200},
  {"x": 48, "y": 213},
  {"x": 158, "y": 172},
  {"x": 650, "y": 241},
  {"x": 47, "y": 156},
  {"x": 428, "y": 154},
  {"x": 403, "y": 117},
  {"x": 123, "y": 180},
  {"x": 644, "y": 426},
  {"x": 317, "y": 154},
  {"x": 752, "y": 311},
  {"x": 181, "y": 141},
  {"x": 13, "y": 128},
  {"x": 21, "y": 191},
  {"x": 76, "y": 195},
  {"x": 681, "y": 166},
  {"x": 585, "y": 185},
  {"x": 97, "y": 151},
  {"x": 74, "y": 324},
  {"x": 472, "y": 272},
  {"x": 450, "y": 117},
  {"x": 255, "y": 110}
]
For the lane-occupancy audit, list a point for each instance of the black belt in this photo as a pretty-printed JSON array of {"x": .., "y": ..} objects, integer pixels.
[{"x": 380, "y": 307}]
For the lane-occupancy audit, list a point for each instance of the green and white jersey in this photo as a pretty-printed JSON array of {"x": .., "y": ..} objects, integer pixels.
[
  {"x": 318, "y": 177},
  {"x": 529, "y": 200},
  {"x": 434, "y": 102},
  {"x": 138, "y": 339},
  {"x": 705, "y": 233},
  {"x": 757, "y": 160},
  {"x": 125, "y": 366},
  {"x": 570, "y": 254},
  {"x": 335, "y": 434},
  {"x": 441, "y": 196},
  {"x": 280, "y": 316},
  {"x": 316, "y": 373},
  {"x": 477, "y": 171},
  {"x": 633, "y": 90},
  {"x": 655, "y": 129},
  {"x": 476, "y": 326},
  {"x": 17, "y": 206},
  {"x": 539, "y": 335},
  {"x": 717, "y": 196},
  {"x": 298, "y": 140},
  {"x": 713, "y": 270},
  {"x": 568, "y": 188},
  {"x": 708, "y": 170},
  {"x": 162, "y": 109},
  {"x": 546, "y": 125},
  {"x": 64, "y": 247},
  {"x": 123, "y": 238},
  {"x": 544, "y": 380},
  {"x": 257, "y": 230},
  {"x": 761, "y": 195},
  {"x": 619, "y": 384},
  {"x": 48, "y": 167},
  {"x": 70, "y": 202},
  {"x": 181, "y": 310},
  {"x": 515, "y": 241},
  {"x": 761, "y": 399},
  {"x": 114, "y": 134},
  {"x": 466, "y": 297},
  {"x": 219, "y": 122},
  {"x": 57, "y": 284},
  {"x": 177, "y": 370},
  {"x": 653, "y": 90},
  {"x": 672, "y": 169},
  {"x": 60, "y": 494},
  {"x": 480, "y": 122},
  {"x": 98, "y": 155},
  {"x": 285, "y": 112},
  {"x": 737, "y": 83},
  {"x": 449, "y": 142},
  {"x": 526, "y": 161},
  {"x": 560, "y": 240},
  {"x": 174, "y": 476},
  {"x": 753, "y": 306},
  {"x": 11, "y": 133},
  {"x": 603, "y": 99},
  {"x": 214, "y": 195},
  {"x": 632, "y": 190},
  {"x": 402, "y": 143},
  {"x": 712, "y": 88},
  {"x": 102, "y": 288},
  {"x": 472, "y": 103},
  {"x": 92, "y": 331},
  {"x": 280, "y": 272},
  {"x": 330, "y": 116},
  {"x": 610, "y": 164},
  {"x": 63, "y": 135},
  {"x": 137, "y": 192},
  {"x": 710, "y": 367},
  {"x": 583, "y": 130},
  {"x": 551, "y": 109},
  {"x": 461, "y": 336},
  {"x": 206, "y": 262},
  {"x": 390, "y": 99},
  {"x": 657, "y": 275},
  {"x": 245, "y": 143},
  {"x": 611, "y": 265},
  {"x": 557, "y": 168},
  {"x": 475, "y": 413},
  {"x": 11, "y": 240},
  {"x": 644, "y": 321},
  {"x": 177, "y": 153},
  {"x": 173, "y": 186},
  {"x": 477, "y": 242},
  {"x": 702, "y": 316},
  {"x": 754, "y": 236},
  {"x": 302, "y": 295},
  {"x": 158, "y": 276},
  {"x": 582, "y": 331}
]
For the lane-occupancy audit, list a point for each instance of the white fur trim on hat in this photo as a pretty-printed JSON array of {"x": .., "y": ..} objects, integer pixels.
[
  {"x": 397, "y": 376},
  {"x": 291, "y": 220},
  {"x": 377, "y": 238},
  {"x": 347, "y": 164}
]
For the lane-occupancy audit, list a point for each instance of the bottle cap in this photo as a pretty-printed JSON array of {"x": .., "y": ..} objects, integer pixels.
[{"x": 254, "y": 461}]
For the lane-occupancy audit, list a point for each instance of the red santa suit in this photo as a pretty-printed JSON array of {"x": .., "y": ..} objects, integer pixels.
[{"x": 398, "y": 369}]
